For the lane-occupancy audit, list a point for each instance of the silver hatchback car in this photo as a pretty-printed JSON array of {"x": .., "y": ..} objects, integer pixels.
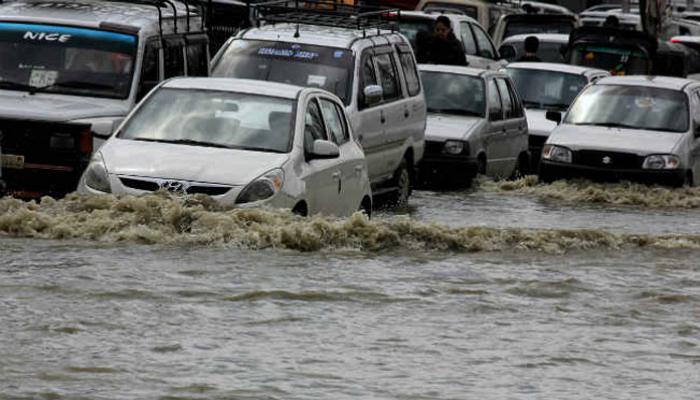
[{"x": 642, "y": 128}]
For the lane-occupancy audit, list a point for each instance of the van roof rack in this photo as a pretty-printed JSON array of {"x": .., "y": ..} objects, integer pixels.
[
  {"x": 158, "y": 4},
  {"x": 327, "y": 13}
]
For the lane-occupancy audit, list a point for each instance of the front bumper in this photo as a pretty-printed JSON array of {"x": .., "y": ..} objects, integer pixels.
[
  {"x": 551, "y": 171},
  {"x": 445, "y": 167}
]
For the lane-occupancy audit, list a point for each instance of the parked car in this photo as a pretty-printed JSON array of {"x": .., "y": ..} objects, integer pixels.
[
  {"x": 371, "y": 70},
  {"x": 243, "y": 142},
  {"x": 518, "y": 24},
  {"x": 71, "y": 70},
  {"x": 476, "y": 124},
  {"x": 643, "y": 128},
  {"x": 547, "y": 87},
  {"x": 552, "y": 47},
  {"x": 486, "y": 13},
  {"x": 478, "y": 47}
]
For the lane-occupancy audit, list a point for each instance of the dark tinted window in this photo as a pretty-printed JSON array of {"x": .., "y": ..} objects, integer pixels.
[
  {"x": 508, "y": 106},
  {"x": 522, "y": 27},
  {"x": 409, "y": 70},
  {"x": 174, "y": 58},
  {"x": 387, "y": 76},
  {"x": 328, "y": 68},
  {"x": 197, "y": 59},
  {"x": 495, "y": 108},
  {"x": 150, "y": 75}
]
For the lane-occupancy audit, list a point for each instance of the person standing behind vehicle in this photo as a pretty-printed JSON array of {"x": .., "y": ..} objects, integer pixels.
[
  {"x": 532, "y": 44},
  {"x": 442, "y": 47}
]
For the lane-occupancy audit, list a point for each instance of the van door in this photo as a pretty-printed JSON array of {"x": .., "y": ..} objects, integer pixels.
[
  {"x": 369, "y": 123},
  {"x": 496, "y": 134},
  {"x": 515, "y": 138},
  {"x": 415, "y": 109}
]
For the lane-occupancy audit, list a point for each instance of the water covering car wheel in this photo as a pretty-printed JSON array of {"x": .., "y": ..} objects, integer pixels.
[{"x": 402, "y": 181}]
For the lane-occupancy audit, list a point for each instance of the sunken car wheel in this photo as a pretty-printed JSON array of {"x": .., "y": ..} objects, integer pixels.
[{"x": 402, "y": 180}]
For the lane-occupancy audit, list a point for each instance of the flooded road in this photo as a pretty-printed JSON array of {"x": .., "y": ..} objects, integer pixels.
[{"x": 512, "y": 290}]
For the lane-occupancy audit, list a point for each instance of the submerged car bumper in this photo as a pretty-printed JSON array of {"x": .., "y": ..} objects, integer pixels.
[{"x": 550, "y": 171}]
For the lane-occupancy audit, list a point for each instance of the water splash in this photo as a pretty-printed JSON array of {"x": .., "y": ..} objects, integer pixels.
[
  {"x": 198, "y": 220},
  {"x": 582, "y": 191}
]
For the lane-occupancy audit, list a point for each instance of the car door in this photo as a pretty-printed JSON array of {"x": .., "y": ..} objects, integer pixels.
[
  {"x": 485, "y": 48},
  {"x": 351, "y": 162},
  {"x": 369, "y": 123},
  {"x": 321, "y": 176},
  {"x": 515, "y": 140},
  {"x": 470, "y": 49},
  {"x": 496, "y": 132}
]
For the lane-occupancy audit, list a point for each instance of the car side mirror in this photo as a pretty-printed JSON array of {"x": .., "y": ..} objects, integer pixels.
[
  {"x": 507, "y": 52},
  {"x": 554, "y": 116},
  {"x": 324, "y": 149},
  {"x": 373, "y": 94}
]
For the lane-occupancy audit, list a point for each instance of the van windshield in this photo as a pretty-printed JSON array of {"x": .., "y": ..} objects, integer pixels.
[
  {"x": 66, "y": 60},
  {"x": 297, "y": 64}
]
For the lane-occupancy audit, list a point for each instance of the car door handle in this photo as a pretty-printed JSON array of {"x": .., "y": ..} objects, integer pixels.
[
  {"x": 406, "y": 114},
  {"x": 336, "y": 175},
  {"x": 381, "y": 116}
]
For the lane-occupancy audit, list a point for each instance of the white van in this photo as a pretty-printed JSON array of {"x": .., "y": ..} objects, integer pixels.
[{"x": 371, "y": 69}]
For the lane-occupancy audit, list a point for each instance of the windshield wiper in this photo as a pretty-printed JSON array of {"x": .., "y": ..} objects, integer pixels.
[
  {"x": 15, "y": 85},
  {"x": 455, "y": 111},
  {"x": 186, "y": 142},
  {"x": 530, "y": 103}
]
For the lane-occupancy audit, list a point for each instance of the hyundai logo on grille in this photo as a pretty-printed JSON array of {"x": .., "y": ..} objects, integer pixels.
[
  {"x": 174, "y": 186},
  {"x": 607, "y": 160}
]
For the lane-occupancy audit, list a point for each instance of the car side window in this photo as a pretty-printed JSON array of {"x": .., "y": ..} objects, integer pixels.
[
  {"x": 495, "y": 108},
  {"x": 482, "y": 40},
  {"x": 313, "y": 126},
  {"x": 508, "y": 106},
  {"x": 388, "y": 78},
  {"x": 410, "y": 72},
  {"x": 174, "y": 58},
  {"x": 150, "y": 68},
  {"x": 517, "y": 104},
  {"x": 196, "y": 54},
  {"x": 695, "y": 104},
  {"x": 368, "y": 76},
  {"x": 334, "y": 122},
  {"x": 465, "y": 32}
]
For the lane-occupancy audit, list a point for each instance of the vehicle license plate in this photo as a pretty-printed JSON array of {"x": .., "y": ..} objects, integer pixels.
[
  {"x": 12, "y": 161},
  {"x": 41, "y": 78}
]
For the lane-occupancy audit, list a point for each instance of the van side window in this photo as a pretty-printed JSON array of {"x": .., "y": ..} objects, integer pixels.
[
  {"x": 495, "y": 108},
  {"x": 313, "y": 126},
  {"x": 196, "y": 54},
  {"x": 508, "y": 106},
  {"x": 174, "y": 58},
  {"x": 334, "y": 122},
  {"x": 482, "y": 40},
  {"x": 150, "y": 68},
  {"x": 465, "y": 32},
  {"x": 367, "y": 77},
  {"x": 409, "y": 71},
  {"x": 387, "y": 76}
]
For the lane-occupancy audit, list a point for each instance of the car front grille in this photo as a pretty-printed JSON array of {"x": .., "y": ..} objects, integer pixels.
[
  {"x": 151, "y": 185},
  {"x": 607, "y": 159}
]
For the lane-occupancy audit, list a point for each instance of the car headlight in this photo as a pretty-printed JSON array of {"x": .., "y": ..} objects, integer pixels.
[
  {"x": 96, "y": 176},
  {"x": 455, "y": 146},
  {"x": 661, "y": 161},
  {"x": 262, "y": 188},
  {"x": 556, "y": 153}
]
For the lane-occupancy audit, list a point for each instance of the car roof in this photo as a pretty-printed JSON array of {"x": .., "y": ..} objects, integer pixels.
[
  {"x": 554, "y": 67},
  {"x": 265, "y": 88},
  {"x": 88, "y": 13},
  {"x": 543, "y": 37},
  {"x": 456, "y": 69},
  {"x": 664, "y": 82},
  {"x": 317, "y": 35},
  {"x": 435, "y": 15}
]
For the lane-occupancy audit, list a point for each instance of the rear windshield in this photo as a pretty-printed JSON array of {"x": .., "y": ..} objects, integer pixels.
[
  {"x": 455, "y": 94},
  {"x": 328, "y": 68},
  {"x": 67, "y": 60},
  {"x": 547, "y": 51},
  {"x": 616, "y": 60},
  {"x": 523, "y": 27},
  {"x": 411, "y": 27}
]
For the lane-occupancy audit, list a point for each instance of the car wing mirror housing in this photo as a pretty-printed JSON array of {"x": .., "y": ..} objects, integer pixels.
[
  {"x": 373, "y": 94},
  {"x": 324, "y": 149},
  {"x": 554, "y": 116}
]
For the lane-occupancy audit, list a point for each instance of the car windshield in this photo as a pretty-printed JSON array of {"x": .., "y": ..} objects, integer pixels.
[
  {"x": 297, "y": 64},
  {"x": 634, "y": 107},
  {"x": 541, "y": 89},
  {"x": 67, "y": 60},
  {"x": 214, "y": 119},
  {"x": 448, "y": 93},
  {"x": 547, "y": 51},
  {"x": 523, "y": 27},
  {"x": 616, "y": 60},
  {"x": 411, "y": 27}
]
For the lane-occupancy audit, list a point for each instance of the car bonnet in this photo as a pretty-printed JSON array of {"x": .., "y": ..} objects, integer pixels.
[
  {"x": 449, "y": 127},
  {"x": 636, "y": 141}
]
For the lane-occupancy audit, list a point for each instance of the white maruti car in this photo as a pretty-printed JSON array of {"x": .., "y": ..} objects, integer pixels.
[
  {"x": 548, "y": 87},
  {"x": 243, "y": 142},
  {"x": 641, "y": 128}
]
